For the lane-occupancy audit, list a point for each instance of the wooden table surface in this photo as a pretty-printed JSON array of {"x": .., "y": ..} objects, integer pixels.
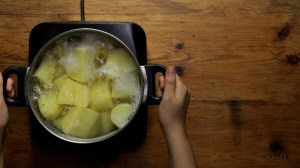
[{"x": 240, "y": 59}]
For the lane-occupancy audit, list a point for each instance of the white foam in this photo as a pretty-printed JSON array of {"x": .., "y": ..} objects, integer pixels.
[
  {"x": 135, "y": 100},
  {"x": 69, "y": 62}
]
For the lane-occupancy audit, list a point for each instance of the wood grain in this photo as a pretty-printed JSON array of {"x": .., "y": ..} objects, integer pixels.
[{"x": 240, "y": 58}]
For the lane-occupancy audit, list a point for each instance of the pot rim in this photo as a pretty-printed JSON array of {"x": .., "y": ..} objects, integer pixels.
[{"x": 48, "y": 125}]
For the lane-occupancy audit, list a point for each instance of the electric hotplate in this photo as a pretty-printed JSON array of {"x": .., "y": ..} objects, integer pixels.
[{"x": 129, "y": 33}]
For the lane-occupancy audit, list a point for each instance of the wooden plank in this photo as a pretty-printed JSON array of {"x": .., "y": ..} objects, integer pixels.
[
  {"x": 128, "y": 7},
  {"x": 20, "y": 7}
]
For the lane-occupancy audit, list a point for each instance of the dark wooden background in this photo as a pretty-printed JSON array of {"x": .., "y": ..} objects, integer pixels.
[{"x": 240, "y": 58}]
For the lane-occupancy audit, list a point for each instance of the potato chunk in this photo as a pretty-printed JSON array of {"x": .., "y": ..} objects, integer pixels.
[
  {"x": 80, "y": 122},
  {"x": 105, "y": 125},
  {"x": 121, "y": 113},
  {"x": 124, "y": 87},
  {"x": 73, "y": 93},
  {"x": 46, "y": 70},
  {"x": 118, "y": 62},
  {"x": 60, "y": 81},
  {"x": 48, "y": 105},
  {"x": 100, "y": 96},
  {"x": 59, "y": 71},
  {"x": 78, "y": 65}
]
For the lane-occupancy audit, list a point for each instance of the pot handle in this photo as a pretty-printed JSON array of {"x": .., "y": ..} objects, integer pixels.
[
  {"x": 149, "y": 72},
  {"x": 20, "y": 99}
]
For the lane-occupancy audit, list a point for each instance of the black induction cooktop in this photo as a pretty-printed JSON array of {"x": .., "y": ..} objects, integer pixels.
[{"x": 129, "y": 33}]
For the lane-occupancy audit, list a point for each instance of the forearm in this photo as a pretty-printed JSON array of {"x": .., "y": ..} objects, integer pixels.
[
  {"x": 180, "y": 150},
  {"x": 2, "y": 138},
  {"x": 1, "y": 154}
]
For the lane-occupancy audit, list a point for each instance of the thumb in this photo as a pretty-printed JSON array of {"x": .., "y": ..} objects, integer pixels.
[{"x": 170, "y": 82}]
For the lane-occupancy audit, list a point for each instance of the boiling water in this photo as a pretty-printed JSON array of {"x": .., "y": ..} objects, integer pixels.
[{"x": 61, "y": 60}]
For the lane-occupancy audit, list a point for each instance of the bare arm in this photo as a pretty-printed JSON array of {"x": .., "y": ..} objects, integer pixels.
[
  {"x": 180, "y": 151},
  {"x": 172, "y": 116},
  {"x": 4, "y": 114}
]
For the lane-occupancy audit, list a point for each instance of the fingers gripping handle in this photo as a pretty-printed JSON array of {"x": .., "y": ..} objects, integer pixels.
[
  {"x": 20, "y": 99},
  {"x": 149, "y": 79}
]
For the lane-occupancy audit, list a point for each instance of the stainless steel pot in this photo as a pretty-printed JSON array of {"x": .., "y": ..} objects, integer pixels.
[{"x": 25, "y": 85}]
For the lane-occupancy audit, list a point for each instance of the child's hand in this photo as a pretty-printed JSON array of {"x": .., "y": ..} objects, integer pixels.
[
  {"x": 175, "y": 101},
  {"x": 3, "y": 107},
  {"x": 172, "y": 115}
]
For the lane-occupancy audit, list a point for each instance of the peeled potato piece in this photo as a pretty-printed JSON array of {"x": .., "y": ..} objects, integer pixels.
[
  {"x": 118, "y": 62},
  {"x": 121, "y": 113},
  {"x": 48, "y": 105},
  {"x": 59, "y": 71},
  {"x": 124, "y": 87},
  {"x": 63, "y": 110},
  {"x": 100, "y": 96},
  {"x": 46, "y": 70},
  {"x": 80, "y": 122},
  {"x": 78, "y": 66},
  {"x": 105, "y": 124},
  {"x": 73, "y": 93},
  {"x": 60, "y": 81}
]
